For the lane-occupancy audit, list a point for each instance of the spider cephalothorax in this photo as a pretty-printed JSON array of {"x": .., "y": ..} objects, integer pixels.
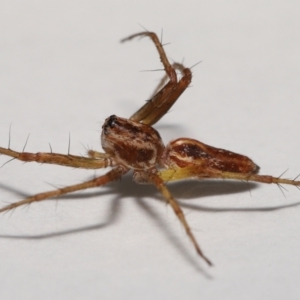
[{"x": 132, "y": 144}]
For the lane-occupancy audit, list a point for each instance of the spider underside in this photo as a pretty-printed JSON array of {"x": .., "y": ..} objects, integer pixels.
[{"x": 133, "y": 144}]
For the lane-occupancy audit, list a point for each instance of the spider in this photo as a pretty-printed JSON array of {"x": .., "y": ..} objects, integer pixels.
[{"x": 133, "y": 144}]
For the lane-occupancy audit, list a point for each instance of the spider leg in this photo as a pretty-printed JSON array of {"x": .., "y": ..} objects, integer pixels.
[
  {"x": 162, "y": 101},
  {"x": 93, "y": 162},
  {"x": 162, "y": 54},
  {"x": 177, "y": 66},
  {"x": 98, "y": 181},
  {"x": 98, "y": 155},
  {"x": 158, "y": 182},
  {"x": 198, "y": 172},
  {"x": 155, "y": 108}
]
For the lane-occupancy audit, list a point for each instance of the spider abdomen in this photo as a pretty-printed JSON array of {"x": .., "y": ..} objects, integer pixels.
[{"x": 184, "y": 152}]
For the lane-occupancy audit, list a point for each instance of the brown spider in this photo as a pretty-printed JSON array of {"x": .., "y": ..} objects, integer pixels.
[{"x": 133, "y": 144}]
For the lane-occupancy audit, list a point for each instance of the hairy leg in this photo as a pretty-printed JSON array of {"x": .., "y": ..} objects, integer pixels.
[
  {"x": 177, "y": 66},
  {"x": 162, "y": 101},
  {"x": 68, "y": 160},
  {"x": 99, "y": 181},
  {"x": 197, "y": 172},
  {"x": 155, "y": 179}
]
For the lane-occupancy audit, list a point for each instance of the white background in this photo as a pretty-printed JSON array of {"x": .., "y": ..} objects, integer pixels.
[{"x": 63, "y": 70}]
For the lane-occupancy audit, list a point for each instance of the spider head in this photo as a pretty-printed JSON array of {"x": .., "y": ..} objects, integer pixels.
[{"x": 132, "y": 144}]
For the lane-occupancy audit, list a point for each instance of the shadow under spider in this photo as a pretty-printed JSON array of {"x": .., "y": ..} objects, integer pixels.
[{"x": 127, "y": 188}]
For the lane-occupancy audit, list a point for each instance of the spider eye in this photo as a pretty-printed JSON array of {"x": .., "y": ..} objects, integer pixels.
[{"x": 111, "y": 121}]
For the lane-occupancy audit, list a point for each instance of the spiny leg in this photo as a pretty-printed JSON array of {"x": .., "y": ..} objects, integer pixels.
[
  {"x": 158, "y": 182},
  {"x": 99, "y": 181},
  {"x": 162, "y": 54},
  {"x": 60, "y": 159},
  {"x": 160, "y": 103},
  {"x": 198, "y": 172},
  {"x": 177, "y": 66},
  {"x": 146, "y": 109},
  {"x": 259, "y": 178}
]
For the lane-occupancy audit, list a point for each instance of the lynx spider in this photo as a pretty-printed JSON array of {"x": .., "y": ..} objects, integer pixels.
[{"x": 133, "y": 144}]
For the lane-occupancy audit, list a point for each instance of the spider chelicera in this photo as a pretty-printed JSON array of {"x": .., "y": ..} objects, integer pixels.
[{"x": 133, "y": 144}]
